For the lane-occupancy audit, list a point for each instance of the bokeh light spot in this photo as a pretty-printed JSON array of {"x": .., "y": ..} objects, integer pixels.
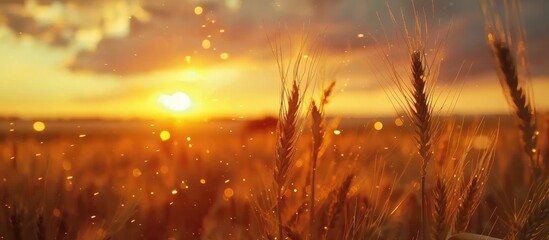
[
  {"x": 378, "y": 125},
  {"x": 136, "y": 172},
  {"x": 206, "y": 44},
  {"x": 228, "y": 192},
  {"x": 198, "y": 10},
  {"x": 399, "y": 122},
  {"x": 224, "y": 56}
]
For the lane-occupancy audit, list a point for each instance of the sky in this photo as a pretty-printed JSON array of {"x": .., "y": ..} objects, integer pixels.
[{"x": 119, "y": 58}]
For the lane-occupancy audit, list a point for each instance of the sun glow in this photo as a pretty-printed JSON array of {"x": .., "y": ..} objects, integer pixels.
[
  {"x": 191, "y": 75},
  {"x": 39, "y": 126},
  {"x": 177, "y": 102}
]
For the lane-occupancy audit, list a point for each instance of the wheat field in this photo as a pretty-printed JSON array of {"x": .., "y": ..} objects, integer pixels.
[{"x": 424, "y": 173}]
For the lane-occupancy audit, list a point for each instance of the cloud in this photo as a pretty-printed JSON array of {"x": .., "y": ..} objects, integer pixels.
[
  {"x": 173, "y": 33},
  {"x": 173, "y": 37},
  {"x": 134, "y": 37},
  {"x": 60, "y": 22},
  {"x": 12, "y": 15}
]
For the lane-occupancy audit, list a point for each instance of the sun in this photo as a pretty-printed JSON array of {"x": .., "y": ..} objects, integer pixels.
[{"x": 177, "y": 102}]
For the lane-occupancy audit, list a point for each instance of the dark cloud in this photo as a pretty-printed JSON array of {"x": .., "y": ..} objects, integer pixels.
[
  {"x": 20, "y": 23},
  {"x": 466, "y": 42},
  {"x": 25, "y": 25}
]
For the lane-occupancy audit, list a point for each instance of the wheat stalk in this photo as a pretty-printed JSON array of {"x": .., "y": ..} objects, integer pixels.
[
  {"x": 502, "y": 38},
  {"x": 318, "y": 129},
  {"x": 440, "y": 225},
  {"x": 532, "y": 219},
  {"x": 336, "y": 206},
  {"x": 285, "y": 149},
  {"x": 295, "y": 71},
  {"x": 421, "y": 118},
  {"x": 417, "y": 93},
  {"x": 524, "y": 111},
  {"x": 340, "y": 200},
  {"x": 298, "y": 213},
  {"x": 466, "y": 207},
  {"x": 326, "y": 94},
  {"x": 537, "y": 225},
  {"x": 287, "y": 128},
  {"x": 318, "y": 136},
  {"x": 472, "y": 195}
]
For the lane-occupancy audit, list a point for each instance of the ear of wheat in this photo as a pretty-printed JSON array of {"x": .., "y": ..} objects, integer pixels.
[
  {"x": 532, "y": 220},
  {"x": 524, "y": 111},
  {"x": 414, "y": 96},
  {"x": 421, "y": 117},
  {"x": 287, "y": 129},
  {"x": 501, "y": 40},
  {"x": 318, "y": 136},
  {"x": 317, "y": 125},
  {"x": 537, "y": 225},
  {"x": 297, "y": 72},
  {"x": 440, "y": 214}
]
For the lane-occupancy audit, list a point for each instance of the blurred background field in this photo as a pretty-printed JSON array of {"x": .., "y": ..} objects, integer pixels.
[{"x": 129, "y": 179}]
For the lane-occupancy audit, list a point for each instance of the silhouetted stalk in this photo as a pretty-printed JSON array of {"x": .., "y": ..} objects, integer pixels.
[
  {"x": 318, "y": 133},
  {"x": 440, "y": 214},
  {"x": 421, "y": 117},
  {"x": 285, "y": 149},
  {"x": 524, "y": 111}
]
